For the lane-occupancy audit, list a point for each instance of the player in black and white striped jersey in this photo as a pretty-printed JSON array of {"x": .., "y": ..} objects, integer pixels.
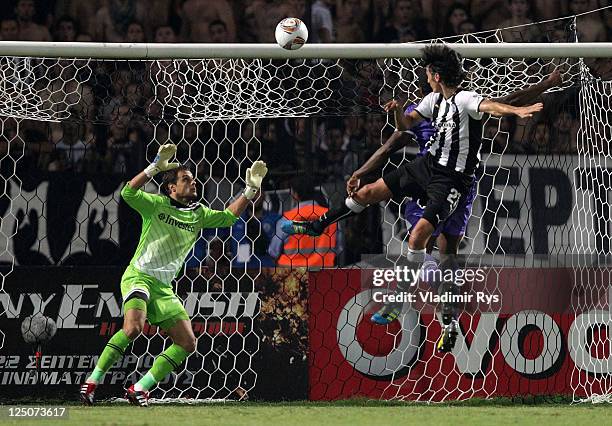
[
  {"x": 440, "y": 178},
  {"x": 444, "y": 175}
]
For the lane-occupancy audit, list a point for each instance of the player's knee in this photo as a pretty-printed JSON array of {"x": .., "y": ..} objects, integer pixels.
[
  {"x": 189, "y": 344},
  {"x": 132, "y": 329},
  {"x": 420, "y": 234}
]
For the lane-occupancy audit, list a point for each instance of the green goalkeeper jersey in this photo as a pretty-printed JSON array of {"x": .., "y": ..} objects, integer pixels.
[{"x": 169, "y": 231}]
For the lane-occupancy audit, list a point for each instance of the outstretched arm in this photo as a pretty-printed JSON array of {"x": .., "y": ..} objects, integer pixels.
[
  {"x": 396, "y": 141},
  {"x": 496, "y": 108},
  {"x": 528, "y": 95}
]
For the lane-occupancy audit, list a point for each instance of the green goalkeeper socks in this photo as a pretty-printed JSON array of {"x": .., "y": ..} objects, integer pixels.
[
  {"x": 169, "y": 360},
  {"x": 114, "y": 350}
]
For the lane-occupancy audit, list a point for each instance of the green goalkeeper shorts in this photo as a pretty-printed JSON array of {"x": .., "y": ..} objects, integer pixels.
[{"x": 164, "y": 308}]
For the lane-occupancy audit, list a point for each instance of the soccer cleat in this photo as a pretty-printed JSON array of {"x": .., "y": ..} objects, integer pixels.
[
  {"x": 135, "y": 397},
  {"x": 298, "y": 227},
  {"x": 87, "y": 393},
  {"x": 386, "y": 314},
  {"x": 447, "y": 340}
]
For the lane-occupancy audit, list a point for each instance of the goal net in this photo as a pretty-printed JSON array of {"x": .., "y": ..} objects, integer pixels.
[{"x": 74, "y": 130}]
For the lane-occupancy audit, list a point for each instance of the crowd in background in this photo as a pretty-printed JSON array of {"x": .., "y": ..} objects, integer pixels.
[
  {"x": 253, "y": 21},
  {"x": 116, "y": 115}
]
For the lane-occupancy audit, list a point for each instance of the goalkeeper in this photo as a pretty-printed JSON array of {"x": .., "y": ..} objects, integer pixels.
[{"x": 171, "y": 224}]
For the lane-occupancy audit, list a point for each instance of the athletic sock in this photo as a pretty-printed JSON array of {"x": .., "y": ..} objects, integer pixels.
[
  {"x": 168, "y": 360},
  {"x": 348, "y": 209},
  {"x": 113, "y": 351},
  {"x": 415, "y": 262}
]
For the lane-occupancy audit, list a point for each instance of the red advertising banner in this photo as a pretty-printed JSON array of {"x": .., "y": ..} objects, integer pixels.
[{"x": 546, "y": 336}]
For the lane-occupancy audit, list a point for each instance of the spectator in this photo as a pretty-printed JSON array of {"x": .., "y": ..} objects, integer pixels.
[
  {"x": 251, "y": 236},
  {"x": 66, "y": 29},
  {"x": 9, "y": 29},
  {"x": 70, "y": 149},
  {"x": 84, "y": 38},
  {"x": 120, "y": 80},
  {"x": 350, "y": 26},
  {"x": 380, "y": 15},
  {"x": 218, "y": 32},
  {"x": 467, "y": 27},
  {"x": 331, "y": 155},
  {"x": 165, "y": 34},
  {"x": 124, "y": 143},
  {"x": 606, "y": 18},
  {"x": 520, "y": 14},
  {"x": 589, "y": 27},
  {"x": 135, "y": 33},
  {"x": 304, "y": 250},
  {"x": 113, "y": 19},
  {"x": 488, "y": 14},
  {"x": 84, "y": 12},
  {"x": 28, "y": 29},
  {"x": 565, "y": 130},
  {"x": 404, "y": 19},
  {"x": 540, "y": 143},
  {"x": 456, "y": 15},
  {"x": 197, "y": 16},
  {"x": 322, "y": 25}
]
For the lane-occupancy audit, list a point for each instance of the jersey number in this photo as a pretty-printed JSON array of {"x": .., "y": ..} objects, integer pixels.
[{"x": 453, "y": 198}]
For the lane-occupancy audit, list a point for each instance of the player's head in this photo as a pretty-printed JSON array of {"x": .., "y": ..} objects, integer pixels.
[
  {"x": 179, "y": 184},
  {"x": 443, "y": 66},
  {"x": 302, "y": 188},
  {"x": 423, "y": 83}
]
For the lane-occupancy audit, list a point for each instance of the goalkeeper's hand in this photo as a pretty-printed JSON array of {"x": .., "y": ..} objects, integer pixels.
[
  {"x": 254, "y": 177},
  {"x": 161, "y": 164}
]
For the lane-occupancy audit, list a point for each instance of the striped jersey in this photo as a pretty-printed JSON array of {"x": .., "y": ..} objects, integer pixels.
[
  {"x": 169, "y": 231},
  {"x": 457, "y": 120}
]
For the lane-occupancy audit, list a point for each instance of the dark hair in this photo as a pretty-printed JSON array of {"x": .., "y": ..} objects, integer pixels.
[
  {"x": 422, "y": 83},
  {"x": 157, "y": 28},
  {"x": 171, "y": 177},
  {"x": 303, "y": 187},
  {"x": 217, "y": 22},
  {"x": 445, "y": 61}
]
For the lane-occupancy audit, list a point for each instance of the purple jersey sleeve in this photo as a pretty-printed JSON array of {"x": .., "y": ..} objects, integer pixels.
[{"x": 422, "y": 131}]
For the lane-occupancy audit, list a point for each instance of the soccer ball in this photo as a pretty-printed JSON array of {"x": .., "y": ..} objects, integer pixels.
[
  {"x": 291, "y": 33},
  {"x": 38, "y": 329}
]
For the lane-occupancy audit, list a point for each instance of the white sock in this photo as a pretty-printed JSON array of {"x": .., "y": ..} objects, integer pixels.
[{"x": 353, "y": 205}]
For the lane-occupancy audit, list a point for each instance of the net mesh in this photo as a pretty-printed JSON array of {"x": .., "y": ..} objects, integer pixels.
[{"x": 84, "y": 126}]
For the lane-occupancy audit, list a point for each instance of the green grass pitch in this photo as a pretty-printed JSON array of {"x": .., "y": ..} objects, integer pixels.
[{"x": 335, "y": 413}]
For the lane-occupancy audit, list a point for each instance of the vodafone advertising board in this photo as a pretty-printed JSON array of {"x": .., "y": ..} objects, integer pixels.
[{"x": 546, "y": 336}]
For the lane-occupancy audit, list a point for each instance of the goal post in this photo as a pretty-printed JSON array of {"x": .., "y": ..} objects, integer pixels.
[
  {"x": 144, "y": 51},
  {"x": 77, "y": 119}
]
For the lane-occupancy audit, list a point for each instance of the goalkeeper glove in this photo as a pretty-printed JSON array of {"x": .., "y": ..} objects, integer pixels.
[
  {"x": 254, "y": 176},
  {"x": 160, "y": 163}
]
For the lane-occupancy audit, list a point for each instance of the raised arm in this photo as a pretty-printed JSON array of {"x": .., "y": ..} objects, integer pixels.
[
  {"x": 402, "y": 122},
  {"x": 159, "y": 164},
  {"x": 528, "y": 95},
  {"x": 254, "y": 178}
]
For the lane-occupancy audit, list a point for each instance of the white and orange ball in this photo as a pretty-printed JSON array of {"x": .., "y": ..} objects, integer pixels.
[{"x": 291, "y": 33}]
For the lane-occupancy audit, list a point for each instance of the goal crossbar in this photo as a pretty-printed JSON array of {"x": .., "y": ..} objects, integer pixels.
[{"x": 312, "y": 51}]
